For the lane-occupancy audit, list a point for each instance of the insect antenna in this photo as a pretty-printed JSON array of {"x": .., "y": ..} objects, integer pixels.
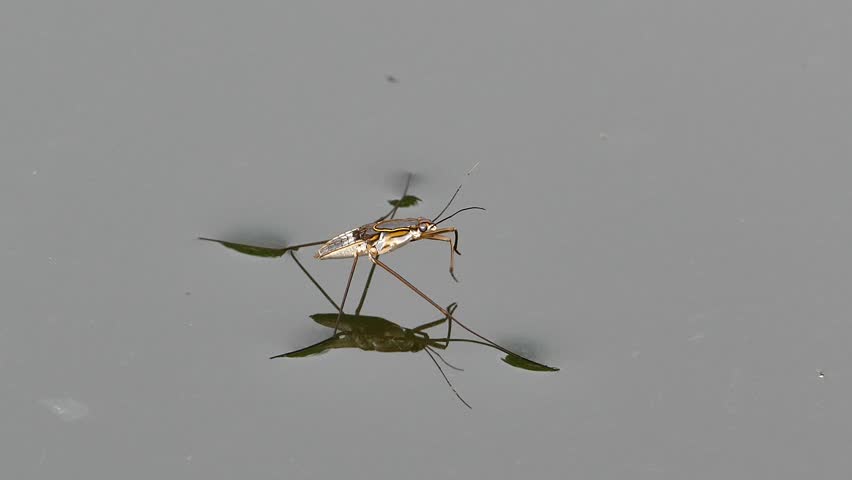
[
  {"x": 436, "y": 217},
  {"x": 456, "y": 213},
  {"x": 444, "y": 360},
  {"x": 447, "y": 379}
]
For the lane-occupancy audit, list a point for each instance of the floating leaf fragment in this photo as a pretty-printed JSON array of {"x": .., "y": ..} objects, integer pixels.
[
  {"x": 252, "y": 250},
  {"x": 404, "y": 202}
]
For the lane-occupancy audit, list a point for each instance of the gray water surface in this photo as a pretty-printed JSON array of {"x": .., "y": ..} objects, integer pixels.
[{"x": 667, "y": 194}]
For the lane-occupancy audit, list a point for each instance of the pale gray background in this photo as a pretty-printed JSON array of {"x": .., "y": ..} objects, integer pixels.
[{"x": 668, "y": 192}]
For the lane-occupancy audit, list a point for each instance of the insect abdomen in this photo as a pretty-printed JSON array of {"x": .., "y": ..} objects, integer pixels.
[{"x": 345, "y": 245}]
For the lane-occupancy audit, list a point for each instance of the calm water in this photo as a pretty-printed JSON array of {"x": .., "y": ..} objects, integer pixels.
[{"x": 667, "y": 200}]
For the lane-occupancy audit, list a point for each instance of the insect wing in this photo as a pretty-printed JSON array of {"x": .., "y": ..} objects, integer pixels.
[
  {"x": 396, "y": 224},
  {"x": 347, "y": 244}
]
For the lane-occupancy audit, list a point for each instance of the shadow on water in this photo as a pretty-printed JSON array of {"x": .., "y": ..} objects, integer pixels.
[{"x": 372, "y": 333}]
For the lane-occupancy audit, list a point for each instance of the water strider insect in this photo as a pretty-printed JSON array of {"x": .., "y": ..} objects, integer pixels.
[
  {"x": 386, "y": 235},
  {"x": 383, "y": 236}
]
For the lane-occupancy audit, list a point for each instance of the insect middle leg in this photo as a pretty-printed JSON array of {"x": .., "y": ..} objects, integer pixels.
[
  {"x": 345, "y": 293},
  {"x": 374, "y": 257}
]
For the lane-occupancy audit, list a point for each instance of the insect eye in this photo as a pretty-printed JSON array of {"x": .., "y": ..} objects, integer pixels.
[{"x": 424, "y": 227}]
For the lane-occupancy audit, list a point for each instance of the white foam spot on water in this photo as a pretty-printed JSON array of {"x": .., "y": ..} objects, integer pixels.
[{"x": 66, "y": 408}]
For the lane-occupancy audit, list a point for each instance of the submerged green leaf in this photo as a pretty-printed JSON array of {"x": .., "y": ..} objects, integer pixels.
[
  {"x": 251, "y": 249},
  {"x": 406, "y": 201},
  {"x": 527, "y": 364}
]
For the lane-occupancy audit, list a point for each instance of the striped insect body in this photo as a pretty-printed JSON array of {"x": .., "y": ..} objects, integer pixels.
[{"x": 376, "y": 238}]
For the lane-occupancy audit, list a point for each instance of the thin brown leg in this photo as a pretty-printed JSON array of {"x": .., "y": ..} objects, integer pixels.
[
  {"x": 345, "y": 293},
  {"x": 439, "y": 231},
  {"x": 375, "y": 259},
  {"x": 442, "y": 238}
]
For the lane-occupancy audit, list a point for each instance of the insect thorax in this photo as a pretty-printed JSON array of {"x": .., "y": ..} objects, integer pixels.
[{"x": 390, "y": 241}]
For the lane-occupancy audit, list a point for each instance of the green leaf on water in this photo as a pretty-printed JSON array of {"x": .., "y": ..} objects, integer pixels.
[
  {"x": 527, "y": 364},
  {"x": 406, "y": 201},
  {"x": 250, "y": 249}
]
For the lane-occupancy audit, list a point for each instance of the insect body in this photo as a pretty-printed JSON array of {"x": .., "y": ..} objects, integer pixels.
[
  {"x": 384, "y": 237},
  {"x": 387, "y": 235}
]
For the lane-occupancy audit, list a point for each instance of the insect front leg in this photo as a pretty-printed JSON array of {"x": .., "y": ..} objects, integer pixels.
[{"x": 453, "y": 246}]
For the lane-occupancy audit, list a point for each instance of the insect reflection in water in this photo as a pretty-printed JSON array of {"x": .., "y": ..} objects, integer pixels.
[{"x": 371, "y": 333}]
